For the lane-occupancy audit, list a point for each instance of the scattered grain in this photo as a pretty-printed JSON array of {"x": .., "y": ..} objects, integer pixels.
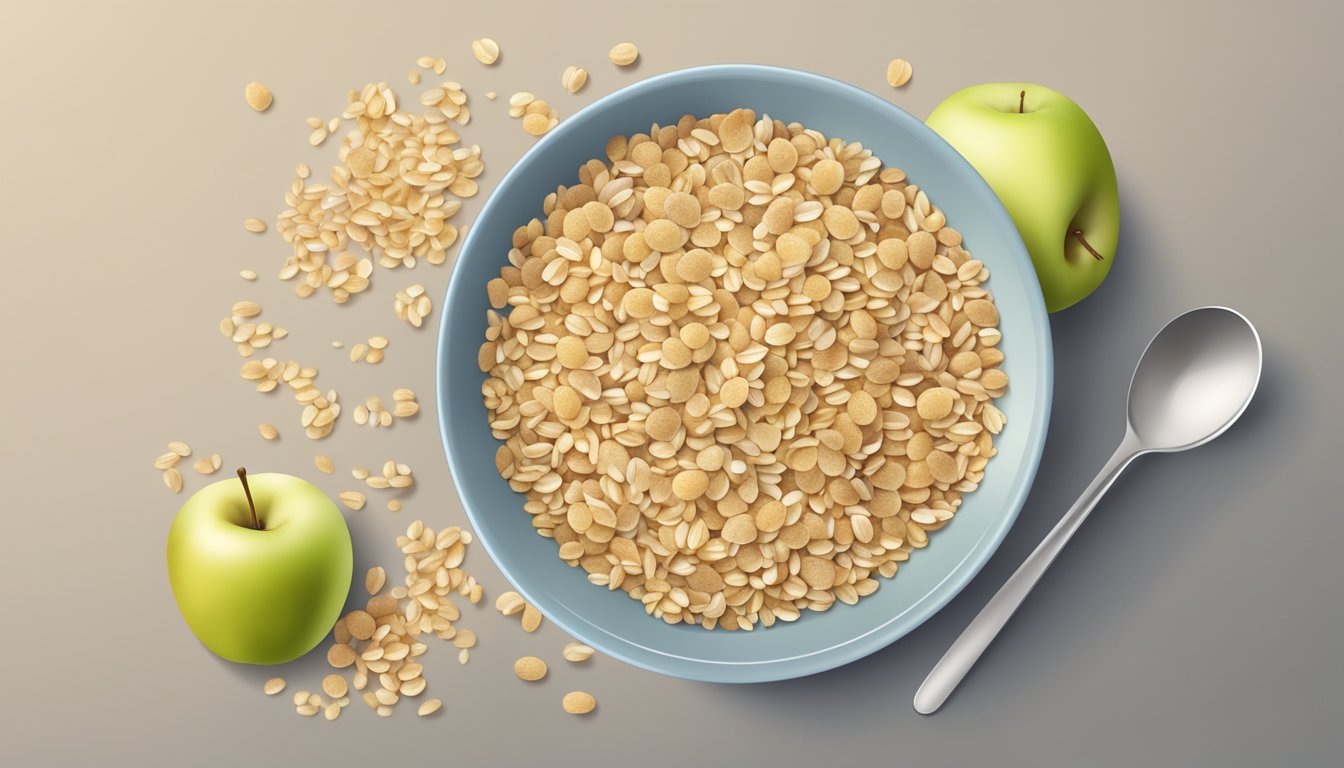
[
  {"x": 273, "y": 686},
  {"x": 258, "y": 96},
  {"x": 574, "y": 78},
  {"x": 509, "y": 603},
  {"x": 531, "y": 618},
  {"x": 898, "y": 73},
  {"x": 577, "y": 652},
  {"x": 429, "y": 707},
  {"x": 623, "y": 54},
  {"x": 578, "y": 703},
  {"x": 485, "y": 50},
  {"x": 375, "y": 579},
  {"x": 529, "y": 668},
  {"x": 413, "y": 305},
  {"x": 334, "y": 686},
  {"x": 208, "y": 465}
]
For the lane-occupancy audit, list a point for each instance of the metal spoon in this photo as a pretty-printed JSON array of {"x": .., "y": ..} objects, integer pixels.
[{"x": 1194, "y": 379}]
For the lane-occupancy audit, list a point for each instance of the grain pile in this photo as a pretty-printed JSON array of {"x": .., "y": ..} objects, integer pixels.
[
  {"x": 744, "y": 370},
  {"x": 400, "y": 179},
  {"x": 382, "y": 641},
  {"x": 244, "y": 329}
]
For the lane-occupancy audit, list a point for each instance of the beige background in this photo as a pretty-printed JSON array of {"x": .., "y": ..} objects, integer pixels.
[{"x": 1195, "y": 620}]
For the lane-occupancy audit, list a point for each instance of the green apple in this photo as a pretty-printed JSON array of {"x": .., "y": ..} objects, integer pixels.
[
  {"x": 260, "y": 566},
  {"x": 1047, "y": 162}
]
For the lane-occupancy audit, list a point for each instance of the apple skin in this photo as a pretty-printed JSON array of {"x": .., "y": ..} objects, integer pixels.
[
  {"x": 260, "y": 596},
  {"x": 1050, "y": 168}
]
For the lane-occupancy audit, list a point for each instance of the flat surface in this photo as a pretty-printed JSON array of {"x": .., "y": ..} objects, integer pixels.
[
  {"x": 1195, "y": 620},
  {"x": 818, "y": 641}
]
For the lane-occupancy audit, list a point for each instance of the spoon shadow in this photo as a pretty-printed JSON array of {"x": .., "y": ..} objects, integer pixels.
[{"x": 1088, "y": 373}]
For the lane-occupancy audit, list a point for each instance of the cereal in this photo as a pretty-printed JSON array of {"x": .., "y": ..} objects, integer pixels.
[
  {"x": 509, "y": 603},
  {"x": 535, "y": 124},
  {"x": 935, "y": 403},
  {"x": 352, "y": 499},
  {"x": 258, "y": 96},
  {"x": 375, "y": 579},
  {"x": 340, "y": 656},
  {"x": 740, "y": 371},
  {"x": 898, "y": 73},
  {"x": 254, "y": 225},
  {"x": 538, "y": 117},
  {"x": 429, "y": 707},
  {"x": 273, "y": 686},
  {"x": 172, "y": 479},
  {"x": 623, "y": 54},
  {"x": 577, "y": 652},
  {"x": 244, "y": 329},
  {"x": 324, "y": 464},
  {"x": 485, "y": 50},
  {"x": 574, "y": 78},
  {"x": 374, "y": 413},
  {"x": 413, "y": 305},
  {"x": 394, "y": 475},
  {"x": 531, "y": 618},
  {"x": 370, "y": 351},
  {"x": 208, "y": 465},
  {"x": 578, "y": 703},
  {"x": 360, "y": 624},
  {"x": 268, "y": 431},
  {"x": 334, "y": 686},
  {"x": 529, "y": 668}
]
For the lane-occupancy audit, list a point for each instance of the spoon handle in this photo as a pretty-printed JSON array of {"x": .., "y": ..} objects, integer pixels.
[{"x": 959, "y": 659}]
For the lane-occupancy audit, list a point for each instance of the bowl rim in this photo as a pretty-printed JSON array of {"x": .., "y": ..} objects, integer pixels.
[{"x": 894, "y": 627}]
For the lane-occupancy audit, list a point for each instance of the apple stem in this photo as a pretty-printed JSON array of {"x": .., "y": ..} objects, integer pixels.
[
  {"x": 1022, "y": 102},
  {"x": 1078, "y": 233},
  {"x": 242, "y": 476}
]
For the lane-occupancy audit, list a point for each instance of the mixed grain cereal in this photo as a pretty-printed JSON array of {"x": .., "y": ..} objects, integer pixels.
[{"x": 740, "y": 370}]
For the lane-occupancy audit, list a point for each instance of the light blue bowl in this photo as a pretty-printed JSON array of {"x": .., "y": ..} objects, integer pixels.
[{"x": 610, "y": 621}]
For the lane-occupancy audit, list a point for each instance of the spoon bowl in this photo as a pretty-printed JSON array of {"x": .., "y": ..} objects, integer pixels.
[{"x": 1194, "y": 379}]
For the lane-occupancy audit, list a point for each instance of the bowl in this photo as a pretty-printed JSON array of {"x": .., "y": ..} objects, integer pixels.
[{"x": 610, "y": 621}]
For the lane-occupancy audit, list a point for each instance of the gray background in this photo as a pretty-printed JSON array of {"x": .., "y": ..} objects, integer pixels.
[{"x": 1194, "y": 621}]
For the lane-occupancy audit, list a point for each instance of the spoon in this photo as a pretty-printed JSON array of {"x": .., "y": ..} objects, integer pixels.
[{"x": 1194, "y": 379}]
